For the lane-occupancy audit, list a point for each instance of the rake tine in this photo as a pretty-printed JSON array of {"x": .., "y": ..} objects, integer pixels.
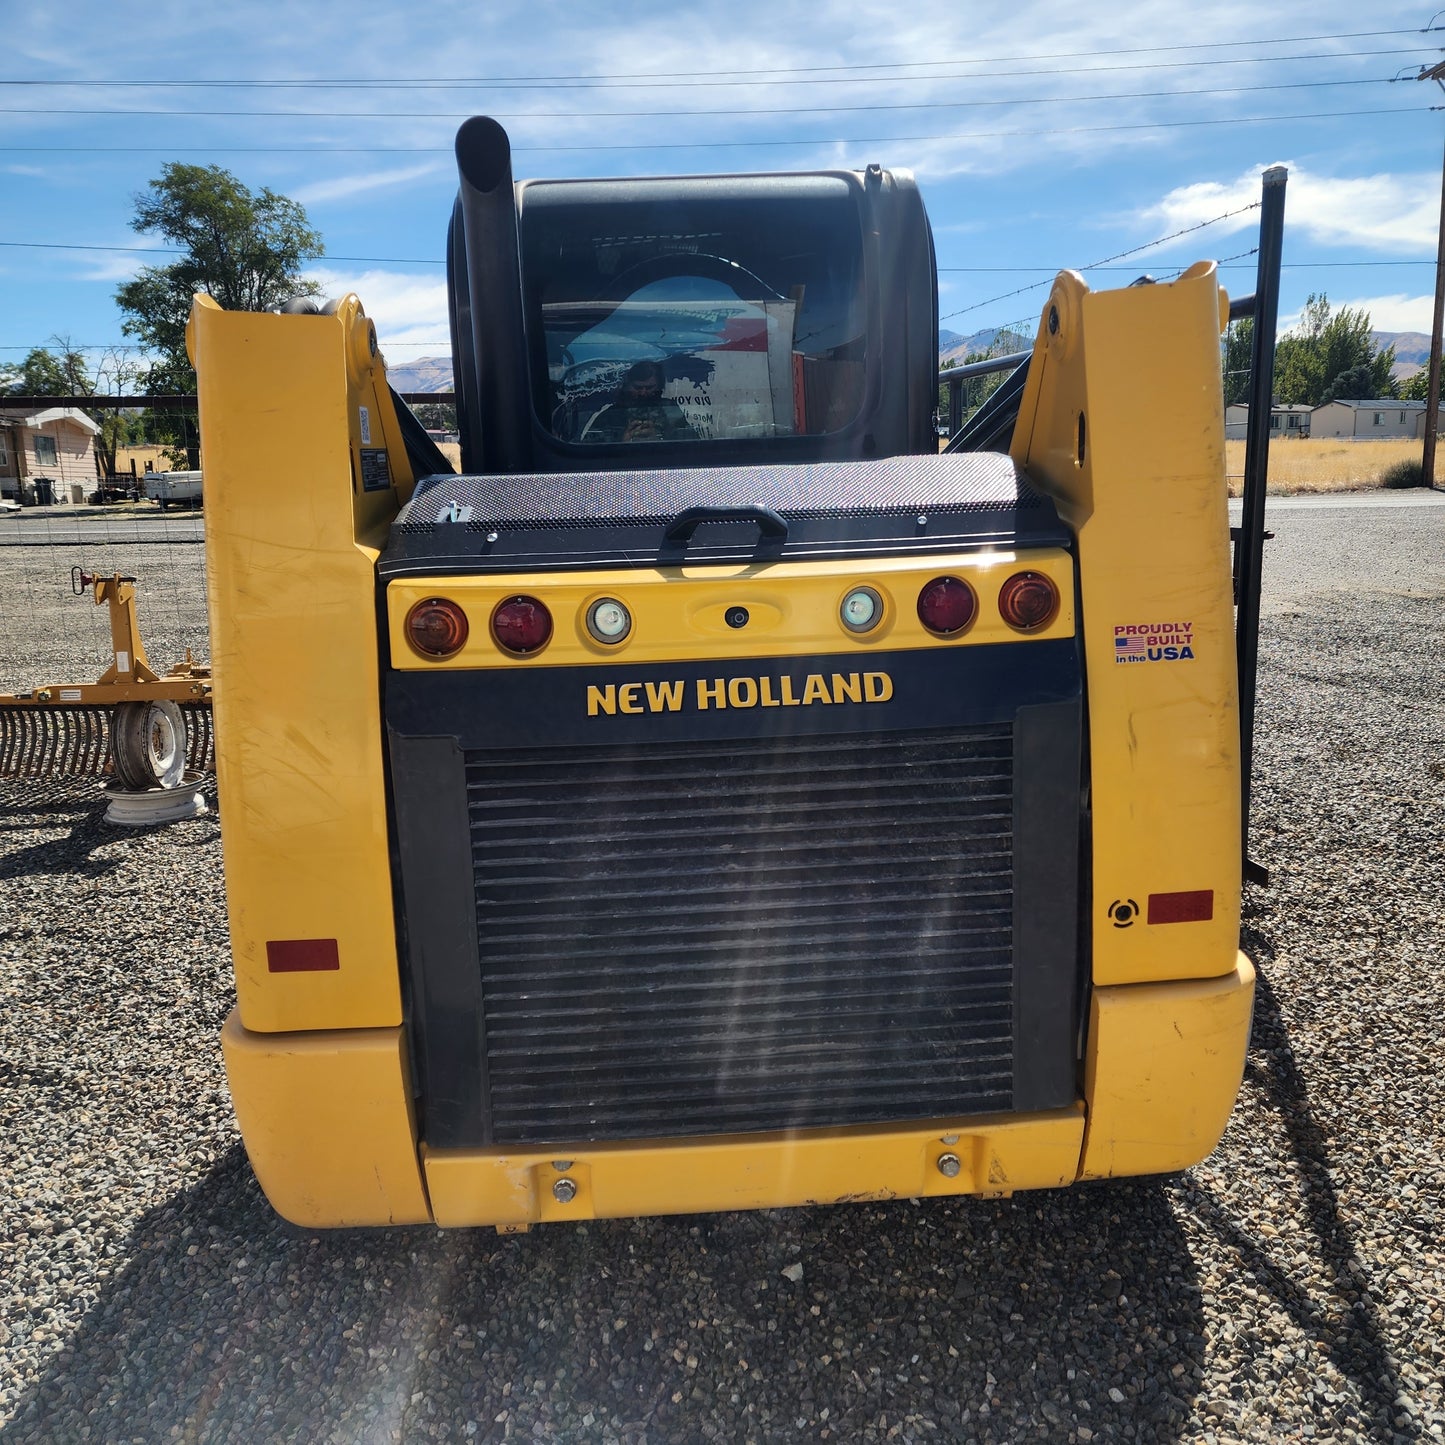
[
  {"x": 201, "y": 750},
  {"x": 75, "y": 741},
  {"x": 65, "y": 760},
  {"x": 31, "y": 750},
  {"x": 10, "y": 726}
]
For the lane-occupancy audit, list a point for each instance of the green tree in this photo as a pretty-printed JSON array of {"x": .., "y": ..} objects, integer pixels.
[
  {"x": 1356, "y": 384},
  {"x": 1237, "y": 359},
  {"x": 943, "y": 391},
  {"x": 977, "y": 389},
  {"x": 1416, "y": 387},
  {"x": 1324, "y": 348},
  {"x": 64, "y": 371},
  {"x": 244, "y": 249},
  {"x": 116, "y": 374},
  {"x": 43, "y": 373},
  {"x": 436, "y": 417}
]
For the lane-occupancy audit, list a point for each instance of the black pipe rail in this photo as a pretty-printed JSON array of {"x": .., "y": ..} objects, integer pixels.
[{"x": 953, "y": 378}]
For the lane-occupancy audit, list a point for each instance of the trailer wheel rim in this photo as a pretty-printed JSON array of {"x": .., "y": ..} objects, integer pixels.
[
  {"x": 150, "y": 745},
  {"x": 162, "y": 743}
]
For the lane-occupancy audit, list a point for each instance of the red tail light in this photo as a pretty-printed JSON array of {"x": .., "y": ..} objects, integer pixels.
[
  {"x": 521, "y": 625},
  {"x": 1029, "y": 601},
  {"x": 436, "y": 627},
  {"x": 946, "y": 606}
]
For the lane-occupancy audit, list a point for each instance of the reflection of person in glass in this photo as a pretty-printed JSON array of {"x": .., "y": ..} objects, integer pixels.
[{"x": 640, "y": 413}]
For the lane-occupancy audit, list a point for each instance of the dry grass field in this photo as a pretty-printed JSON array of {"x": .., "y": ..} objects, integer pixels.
[
  {"x": 1321, "y": 465},
  {"x": 1324, "y": 465}
]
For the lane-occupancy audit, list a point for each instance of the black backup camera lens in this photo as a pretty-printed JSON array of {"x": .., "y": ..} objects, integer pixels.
[{"x": 736, "y": 616}]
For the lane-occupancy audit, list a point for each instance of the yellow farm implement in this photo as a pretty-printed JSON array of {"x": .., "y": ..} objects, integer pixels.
[{"x": 148, "y": 729}]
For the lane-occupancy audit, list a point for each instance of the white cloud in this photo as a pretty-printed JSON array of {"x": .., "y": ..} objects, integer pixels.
[
  {"x": 124, "y": 264},
  {"x": 1387, "y": 313},
  {"x": 1385, "y": 212},
  {"x": 410, "y": 311},
  {"x": 344, "y": 187},
  {"x": 113, "y": 268}
]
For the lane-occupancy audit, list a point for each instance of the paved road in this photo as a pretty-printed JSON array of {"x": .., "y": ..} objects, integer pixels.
[
  {"x": 1347, "y": 501},
  {"x": 1386, "y": 542},
  {"x": 68, "y": 527}
]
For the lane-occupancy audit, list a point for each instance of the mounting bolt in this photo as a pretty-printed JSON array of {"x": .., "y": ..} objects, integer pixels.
[
  {"x": 561, "y": 1165},
  {"x": 949, "y": 1166},
  {"x": 564, "y": 1191}
]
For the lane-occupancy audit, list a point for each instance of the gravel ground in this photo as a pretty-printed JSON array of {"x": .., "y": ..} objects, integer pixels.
[{"x": 1290, "y": 1287}]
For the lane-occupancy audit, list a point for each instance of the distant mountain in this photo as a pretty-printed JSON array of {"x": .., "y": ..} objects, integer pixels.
[
  {"x": 953, "y": 347},
  {"x": 1411, "y": 346},
  {"x": 428, "y": 373},
  {"x": 1412, "y": 351}
]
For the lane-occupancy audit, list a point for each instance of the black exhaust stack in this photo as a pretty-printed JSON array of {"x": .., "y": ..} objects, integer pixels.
[{"x": 484, "y": 276}]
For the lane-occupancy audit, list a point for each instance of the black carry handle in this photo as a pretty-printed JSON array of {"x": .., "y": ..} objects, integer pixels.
[{"x": 682, "y": 526}]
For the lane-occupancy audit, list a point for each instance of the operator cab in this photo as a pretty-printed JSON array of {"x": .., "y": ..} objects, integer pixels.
[{"x": 688, "y": 321}]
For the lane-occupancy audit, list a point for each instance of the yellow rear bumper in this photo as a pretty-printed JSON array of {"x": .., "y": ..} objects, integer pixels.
[{"x": 328, "y": 1123}]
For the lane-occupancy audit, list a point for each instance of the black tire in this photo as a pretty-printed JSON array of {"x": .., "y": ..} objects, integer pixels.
[{"x": 149, "y": 745}]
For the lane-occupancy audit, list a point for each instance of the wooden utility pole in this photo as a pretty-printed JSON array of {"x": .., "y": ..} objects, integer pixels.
[{"x": 1432, "y": 382}]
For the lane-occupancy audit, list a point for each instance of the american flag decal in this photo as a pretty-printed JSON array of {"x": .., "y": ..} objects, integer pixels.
[{"x": 1127, "y": 647}]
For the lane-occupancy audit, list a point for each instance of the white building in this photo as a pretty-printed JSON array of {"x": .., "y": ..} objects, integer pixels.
[
  {"x": 1285, "y": 419},
  {"x": 54, "y": 447},
  {"x": 1369, "y": 420}
]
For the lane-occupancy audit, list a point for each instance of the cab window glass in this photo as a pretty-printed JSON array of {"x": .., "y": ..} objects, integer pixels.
[{"x": 687, "y": 318}]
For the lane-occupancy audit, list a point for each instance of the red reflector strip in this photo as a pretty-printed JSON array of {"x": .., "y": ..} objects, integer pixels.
[
  {"x": 1197, "y": 907},
  {"x": 302, "y": 955}
]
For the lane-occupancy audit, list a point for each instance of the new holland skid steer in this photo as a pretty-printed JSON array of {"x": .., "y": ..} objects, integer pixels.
[{"x": 714, "y": 797}]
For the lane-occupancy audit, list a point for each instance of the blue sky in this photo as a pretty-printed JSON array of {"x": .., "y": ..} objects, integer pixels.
[{"x": 1043, "y": 135}]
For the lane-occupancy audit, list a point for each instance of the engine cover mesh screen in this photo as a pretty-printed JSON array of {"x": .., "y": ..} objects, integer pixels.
[{"x": 705, "y": 938}]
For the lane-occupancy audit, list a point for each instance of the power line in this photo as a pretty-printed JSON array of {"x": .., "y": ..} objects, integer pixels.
[
  {"x": 748, "y": 76},
  {"x": 707, "y": 80},
  {"x": 1227, "y": 264},
  {"x": 1117, "y": 256},
  {"x": 177, "y": 251},
  {"x": 675, "y": 114},
  {"x": 1154, "y": 125},
  {"x": 441, "y": 260},
  {"x": 1227, "y": 261}
]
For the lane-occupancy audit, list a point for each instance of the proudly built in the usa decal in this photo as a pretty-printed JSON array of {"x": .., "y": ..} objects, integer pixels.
[{"x": 1154, "y": 642}]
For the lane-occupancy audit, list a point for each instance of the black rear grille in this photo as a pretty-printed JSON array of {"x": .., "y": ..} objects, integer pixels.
[{"x": 701, "y": 937}]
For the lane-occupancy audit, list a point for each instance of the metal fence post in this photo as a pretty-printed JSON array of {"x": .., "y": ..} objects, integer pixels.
[{"x": 1250, "y": 556}]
